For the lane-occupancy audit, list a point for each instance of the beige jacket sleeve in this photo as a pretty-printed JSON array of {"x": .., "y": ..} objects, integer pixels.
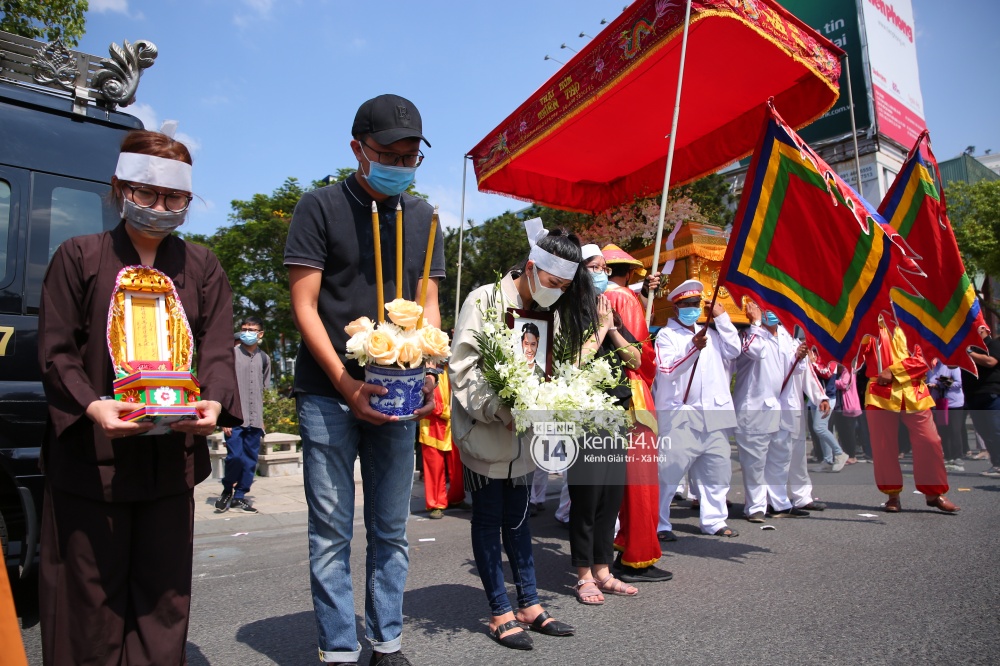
[{"x": 470, "y": 390}]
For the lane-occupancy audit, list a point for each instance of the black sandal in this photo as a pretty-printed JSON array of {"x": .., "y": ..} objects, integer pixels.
[
  {"x": 552, "y": 628},
  {"x": 518, "y": 641},
  {"x": 726, "y": 532}
]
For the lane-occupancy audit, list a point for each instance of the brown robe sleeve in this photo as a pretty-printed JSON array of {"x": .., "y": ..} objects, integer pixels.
[
  {"x": 68, "y": 387},
  {"x": 214, "y": 342}
]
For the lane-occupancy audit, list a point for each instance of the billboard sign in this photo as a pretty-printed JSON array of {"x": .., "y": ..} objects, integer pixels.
[
  {"x": 892, "y": 55},
  {"x": 837, "y": 20}
]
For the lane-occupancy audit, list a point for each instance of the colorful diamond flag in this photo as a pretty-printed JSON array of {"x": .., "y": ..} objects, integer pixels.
[
  {"x": 808, "y": 247},
  {"x": 944, "y": 318}
]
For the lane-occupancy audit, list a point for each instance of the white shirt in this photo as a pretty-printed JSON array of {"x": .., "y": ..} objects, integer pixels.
[
  {"x": 760, "y": 372},
  {"x": 709, "y": 405},
  {"x": 803, "y": 380}
]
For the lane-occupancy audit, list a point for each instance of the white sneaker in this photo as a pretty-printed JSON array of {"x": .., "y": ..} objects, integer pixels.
[
  {"x": 954, "y": 466},
  {"x": 839, "y": 462}
]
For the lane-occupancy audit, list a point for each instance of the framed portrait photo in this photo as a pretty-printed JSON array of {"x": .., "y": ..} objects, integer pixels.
[{"x": 535, "y": 330}]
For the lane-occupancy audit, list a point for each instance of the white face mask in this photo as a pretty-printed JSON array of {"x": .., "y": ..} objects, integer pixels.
[{"x": 542, "y": 295}]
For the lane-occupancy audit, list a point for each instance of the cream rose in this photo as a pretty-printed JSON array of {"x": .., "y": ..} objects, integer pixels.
[
  {"x": 404, "y": 313},
  {"x": 435, "y": 343},
  {"x": 360, "y": 325},
  {"x": 383, "y": 347},
  {"x": 411, "y": 352},
  {"x": 356, "y": 347}
]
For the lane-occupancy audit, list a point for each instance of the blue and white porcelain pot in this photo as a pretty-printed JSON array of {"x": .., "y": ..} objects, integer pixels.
[{"x": 405, "y": 389}]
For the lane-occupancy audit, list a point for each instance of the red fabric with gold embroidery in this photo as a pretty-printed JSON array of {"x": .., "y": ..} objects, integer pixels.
[{"x": 594, "y": 135}]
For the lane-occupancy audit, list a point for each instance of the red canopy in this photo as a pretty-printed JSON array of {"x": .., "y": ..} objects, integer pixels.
[{"x": 595, "y": 135}]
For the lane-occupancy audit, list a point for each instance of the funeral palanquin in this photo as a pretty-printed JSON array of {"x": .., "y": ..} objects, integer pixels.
[
  {"x": 151, "y": 347},
  {"x": 698, "y": 250}
]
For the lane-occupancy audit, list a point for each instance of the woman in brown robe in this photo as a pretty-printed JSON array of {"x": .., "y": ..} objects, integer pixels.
[{"x": 118, "y": 515}]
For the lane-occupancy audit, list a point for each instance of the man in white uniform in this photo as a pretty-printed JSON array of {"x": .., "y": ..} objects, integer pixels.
[
  {"x": 765, "y": 447},
  {"x": 793, "y": 419},
  {"x": 698, "y": 425}
]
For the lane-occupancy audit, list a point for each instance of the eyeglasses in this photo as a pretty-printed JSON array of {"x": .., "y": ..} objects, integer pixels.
[
  {"x": 395, "y": 159},
  {"x": 145, "y": 197},
  {"x": 599, "y": 269},
  {"x": 249, "y": 330}
]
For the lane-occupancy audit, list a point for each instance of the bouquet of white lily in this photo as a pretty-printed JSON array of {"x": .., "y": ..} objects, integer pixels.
[{"x": 576, "y": 392}]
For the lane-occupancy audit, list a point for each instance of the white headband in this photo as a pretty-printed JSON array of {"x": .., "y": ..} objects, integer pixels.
[
  {"x": 152, "y": 170},
  {"x": 545, "y": 260},
  {"x": 590, "y": 250}
]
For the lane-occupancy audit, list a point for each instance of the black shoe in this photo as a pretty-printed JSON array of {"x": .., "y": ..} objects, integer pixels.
[
  {"x": 516, "y": 641},
  {"x": 790, "y": 513},
  {"x": 539, "y": 507},
  {"x": 389, "y": 659},
  {"x": 666, "y": 536},
  {"x": 563, "y": 523},
  {"x": 243, "y": 505},
  {"x": 649, "y": 574},
  {"x": 532, "y": 511},
  {"x": 814, "y": 506},
  {"x": 757, "y": 517},
  {"x": 222, "y": 504}
]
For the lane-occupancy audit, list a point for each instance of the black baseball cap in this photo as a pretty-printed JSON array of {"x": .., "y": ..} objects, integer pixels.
[{"x": 389, "y": 118}]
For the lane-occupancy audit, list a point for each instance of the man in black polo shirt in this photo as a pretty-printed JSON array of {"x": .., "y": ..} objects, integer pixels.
[
  {"x": 330, "y": 257},
  {"x": 984, "y": 399}
]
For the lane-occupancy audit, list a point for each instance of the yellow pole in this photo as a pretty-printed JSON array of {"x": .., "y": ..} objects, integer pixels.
[
  {"x": 427, "y": 262},
  {"x": 399, "y": 251}
]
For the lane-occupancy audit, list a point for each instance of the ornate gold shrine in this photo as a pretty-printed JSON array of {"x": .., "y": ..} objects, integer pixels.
[
  {"x": 698, "y": 253},
  {"x": 151, "y": 348}
]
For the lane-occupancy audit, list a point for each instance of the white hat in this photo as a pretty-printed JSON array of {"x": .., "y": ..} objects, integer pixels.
[
  {"x": 686, "y": 289},
  {"x": 590, "y": 250}
]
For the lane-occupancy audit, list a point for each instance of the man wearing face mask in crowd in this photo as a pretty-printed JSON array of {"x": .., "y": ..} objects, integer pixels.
[
  {"x": 253, "y": 375},
  {"x": 695, "y": 419},
  {"x": 330, "y": 255}
]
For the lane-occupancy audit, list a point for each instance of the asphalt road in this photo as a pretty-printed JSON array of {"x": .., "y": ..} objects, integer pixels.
[{"x": 918, "y": 587}]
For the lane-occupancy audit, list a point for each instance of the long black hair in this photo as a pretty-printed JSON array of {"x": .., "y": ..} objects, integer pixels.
[{"x": 577, "y": 307}]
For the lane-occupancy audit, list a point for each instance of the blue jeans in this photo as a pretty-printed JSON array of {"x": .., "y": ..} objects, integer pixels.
[
  {"x": 242, "y": 449},
  {"x": 827, "y": 441},
  {"x": 332, "y": 439},
  {"x": 501, "y": 510}
]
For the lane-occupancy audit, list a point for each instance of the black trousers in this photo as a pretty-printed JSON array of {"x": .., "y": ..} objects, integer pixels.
[
  {"x": 952, "y": 433},
  {"x": 115, "y": 580},
  {"x": 596, "y": 489}
]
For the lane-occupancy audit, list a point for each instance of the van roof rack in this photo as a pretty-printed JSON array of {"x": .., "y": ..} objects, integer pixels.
[{"x": 107, "y": 82}]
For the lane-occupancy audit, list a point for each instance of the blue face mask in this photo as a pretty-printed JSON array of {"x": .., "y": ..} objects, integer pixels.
[
  {"x": 770, "y": 319},
  {"x": 389, "y": 180},
  {"x": 249, "y": 338},
  {"x": 688, "y": 316},
  {"x": 600, "y": 281}
]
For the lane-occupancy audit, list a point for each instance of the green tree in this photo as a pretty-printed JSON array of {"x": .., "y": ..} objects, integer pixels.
[
  {"x": 489, "y": 249},
  {"x": 45, "y": 19},
  {"x": 974, "y": 211}
]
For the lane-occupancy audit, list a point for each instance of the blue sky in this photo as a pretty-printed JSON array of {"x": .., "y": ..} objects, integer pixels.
[{"x": 267, "y": 89}]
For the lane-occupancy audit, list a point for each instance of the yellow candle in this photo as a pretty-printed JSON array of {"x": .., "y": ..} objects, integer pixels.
[
  {"x": 427, "y": 262},
  {"x": 399, "y": 251},
  {"x": 378, "y": 264}
]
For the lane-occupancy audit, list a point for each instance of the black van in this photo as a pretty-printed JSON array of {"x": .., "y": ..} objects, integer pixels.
[{"x": 59, "y": 142}]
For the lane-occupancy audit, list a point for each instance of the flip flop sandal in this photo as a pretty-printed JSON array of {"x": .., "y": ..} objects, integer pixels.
[
  {"x": 585, "y": 597},
  {"x": 726, "y": 532},
  {"x": 611, "y": 585},
  {"x": 551, "y": 628}
]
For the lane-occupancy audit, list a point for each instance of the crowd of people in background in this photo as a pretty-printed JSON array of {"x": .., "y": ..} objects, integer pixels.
[{"x": 117, "y": 524}]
